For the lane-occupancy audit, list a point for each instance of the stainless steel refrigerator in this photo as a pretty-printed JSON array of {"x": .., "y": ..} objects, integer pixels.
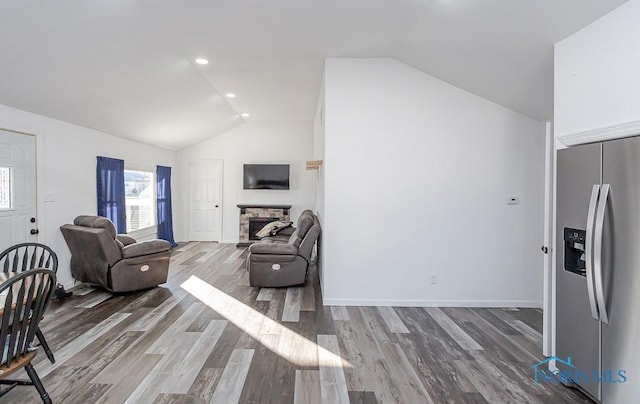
[{"x": 598, "y": 268}]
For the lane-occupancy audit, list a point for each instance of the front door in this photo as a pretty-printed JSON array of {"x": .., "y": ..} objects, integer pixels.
[
  {"x": 205, "y": 200},
  {"x": 17, "y": 188}
]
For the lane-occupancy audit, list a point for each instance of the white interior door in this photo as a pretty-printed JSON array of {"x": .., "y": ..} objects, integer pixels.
[
  {"x": 17, "y": 188},
  {"x": 205, "y": 200},
  {"x": 548, "y": 312}
]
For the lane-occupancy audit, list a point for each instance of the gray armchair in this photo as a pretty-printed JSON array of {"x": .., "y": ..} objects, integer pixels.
[
  {"x": 278, "y": 262},
  {"x": 113, "y": 261}
]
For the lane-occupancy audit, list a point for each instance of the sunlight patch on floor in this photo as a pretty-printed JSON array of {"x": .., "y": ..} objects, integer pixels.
[{"x": 274, "y": 336}]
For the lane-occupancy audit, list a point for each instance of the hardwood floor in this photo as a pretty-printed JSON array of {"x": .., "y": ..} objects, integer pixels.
[{"x": 206, "y": 336}]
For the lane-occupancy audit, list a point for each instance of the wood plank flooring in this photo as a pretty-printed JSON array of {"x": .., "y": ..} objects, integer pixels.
[{"x": 207, "y": 337}]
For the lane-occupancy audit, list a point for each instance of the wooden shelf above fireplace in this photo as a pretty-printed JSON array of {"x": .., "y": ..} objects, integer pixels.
[{"x": 242, "y": 206}]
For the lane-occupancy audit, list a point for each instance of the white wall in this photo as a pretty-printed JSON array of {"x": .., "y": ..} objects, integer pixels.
[
  {"x": 67, "y": 169},
  {"x": 597, "y": 77},
  {"x": 417, "y": 173},
  {"x": 318, "y": 154},
  {"x": 290, "y": 143}
]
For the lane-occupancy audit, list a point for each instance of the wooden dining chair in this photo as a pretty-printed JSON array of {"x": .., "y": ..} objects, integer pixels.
[
  {"x": 25, "y": 256},
  {"x": 23, "y": 300}
]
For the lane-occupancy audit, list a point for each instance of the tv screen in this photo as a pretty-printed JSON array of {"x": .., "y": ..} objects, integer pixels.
[{"x": 266, "y": 176}]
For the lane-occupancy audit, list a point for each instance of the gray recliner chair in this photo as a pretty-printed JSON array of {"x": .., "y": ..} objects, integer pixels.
[
  {"x": 113, "y": 261},
  {"x": 274, "y": 262}
]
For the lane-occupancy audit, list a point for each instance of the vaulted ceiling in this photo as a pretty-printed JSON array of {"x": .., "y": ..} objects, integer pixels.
[{"x": 127, "y": 67}]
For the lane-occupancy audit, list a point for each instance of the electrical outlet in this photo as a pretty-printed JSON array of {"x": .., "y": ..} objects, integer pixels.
[{"x": 433, "y": 278}]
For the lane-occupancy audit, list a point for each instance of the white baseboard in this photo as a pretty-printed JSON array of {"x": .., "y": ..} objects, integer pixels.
[{"x": 433, "y": 303}]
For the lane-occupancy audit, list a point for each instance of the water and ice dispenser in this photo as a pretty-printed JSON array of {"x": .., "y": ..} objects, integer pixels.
[{"x": 574, "y": 255}]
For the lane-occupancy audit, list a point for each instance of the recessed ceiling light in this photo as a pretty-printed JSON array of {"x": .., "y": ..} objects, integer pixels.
[
  {"x": 231, "y": 95},
  {"x": 202, "y": 61},
  {"x": 245, "y": 115}
]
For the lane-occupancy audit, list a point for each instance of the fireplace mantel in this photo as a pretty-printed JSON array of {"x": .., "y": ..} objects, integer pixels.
[{"x": 265, "y": 206}]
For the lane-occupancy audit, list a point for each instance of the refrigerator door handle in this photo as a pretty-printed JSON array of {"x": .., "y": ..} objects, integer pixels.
[
  {"x": 597, "y": 252},
  {"x": 588, "y": 248}
]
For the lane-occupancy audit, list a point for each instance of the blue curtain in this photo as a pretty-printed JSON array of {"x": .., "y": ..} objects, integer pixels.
[
  {"x": 110, "y": 184},
  {"x": 165, "y": 220}
]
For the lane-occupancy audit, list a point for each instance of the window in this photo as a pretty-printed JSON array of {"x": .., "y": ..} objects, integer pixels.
[
  {"x": 6, "y": 188},
  {"x": 140, "y": 199}
]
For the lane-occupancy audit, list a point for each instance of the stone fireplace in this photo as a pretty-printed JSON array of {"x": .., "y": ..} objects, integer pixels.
[
  {"x": 254, "y": 217},
  {"x": 257, "y": 223}
]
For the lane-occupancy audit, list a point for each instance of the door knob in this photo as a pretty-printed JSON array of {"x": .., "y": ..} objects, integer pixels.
[
  {"x": 34, "y": 231},
  {"x": 216, "y": 206}
]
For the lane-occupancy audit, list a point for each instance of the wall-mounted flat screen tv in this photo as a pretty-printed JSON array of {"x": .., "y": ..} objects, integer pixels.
[{"x": 266, "y": 176}]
